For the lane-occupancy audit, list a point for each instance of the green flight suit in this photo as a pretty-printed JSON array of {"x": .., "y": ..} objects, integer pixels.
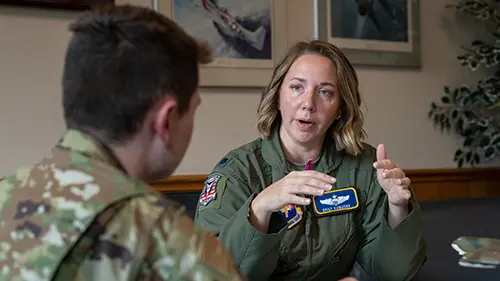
[{"x": 317, "y": 248}]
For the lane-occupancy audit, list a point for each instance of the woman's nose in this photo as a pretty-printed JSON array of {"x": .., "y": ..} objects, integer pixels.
[{"x": 308, "y": 101}]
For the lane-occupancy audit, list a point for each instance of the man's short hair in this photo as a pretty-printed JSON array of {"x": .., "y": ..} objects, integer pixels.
[{"x": 121, "y": 60}]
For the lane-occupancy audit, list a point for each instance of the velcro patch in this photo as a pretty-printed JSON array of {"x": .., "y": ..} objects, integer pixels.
[
  {"x": 209, "y": 192},
  {"x": 223, "y": 162},
  {"x": 336, "y": 201},
  {"x": 292, "y": 215}
]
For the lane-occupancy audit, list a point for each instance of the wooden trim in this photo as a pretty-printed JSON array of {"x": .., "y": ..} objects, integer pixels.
[
  {"x": 182, "y": 183},
  {"x": 428, "y": 184}
]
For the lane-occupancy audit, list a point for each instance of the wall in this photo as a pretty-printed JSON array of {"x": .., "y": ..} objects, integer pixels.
[{"x": 33, "y": 45}]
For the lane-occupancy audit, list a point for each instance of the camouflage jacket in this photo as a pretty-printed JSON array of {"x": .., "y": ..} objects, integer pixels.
[{"x": 76, "y": 216}]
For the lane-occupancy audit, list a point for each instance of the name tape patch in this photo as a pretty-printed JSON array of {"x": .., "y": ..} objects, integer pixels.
[
  {"x": 336, "y": 201},
  {"x": 292, "y": 214}
]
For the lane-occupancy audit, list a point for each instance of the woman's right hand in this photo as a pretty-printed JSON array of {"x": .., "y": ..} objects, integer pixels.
[{"x": 288, "y": 190}]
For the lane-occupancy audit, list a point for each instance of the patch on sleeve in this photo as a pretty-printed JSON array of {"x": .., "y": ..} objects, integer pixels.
[
  {"x": 223, "y": 162},
  {"x": 214, "y": 187},
  {"x": 292, "y": 214}
]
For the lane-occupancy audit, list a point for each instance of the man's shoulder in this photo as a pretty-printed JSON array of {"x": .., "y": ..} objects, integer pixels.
[
  {"x": 184, "y": 249},
  {"x": 53, "y": 209},
  {"x": 166, "y": 238},
  {"x": 17, "y": 175},
  {"x": 146, "y": 210},
  {"x": 138, "y": 217},
  {"x": 134, "y": 237}
]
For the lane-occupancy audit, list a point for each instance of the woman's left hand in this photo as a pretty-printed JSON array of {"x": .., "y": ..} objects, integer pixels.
[{"x": 392, "y": 179}]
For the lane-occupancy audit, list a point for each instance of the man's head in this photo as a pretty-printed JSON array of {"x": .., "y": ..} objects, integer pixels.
[{"x": 131, "y": 77}]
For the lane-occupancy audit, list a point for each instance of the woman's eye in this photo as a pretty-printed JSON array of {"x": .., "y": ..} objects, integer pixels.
[{"x": 325, "y": 92}]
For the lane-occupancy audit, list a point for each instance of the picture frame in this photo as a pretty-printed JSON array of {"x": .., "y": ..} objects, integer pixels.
[
  {"x": 376, "y": 35},
  {"x": 71, "y": 5},
  {"x": 230, "y": 68}
]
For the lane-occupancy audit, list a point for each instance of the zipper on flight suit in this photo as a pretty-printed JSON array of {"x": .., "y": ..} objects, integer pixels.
[{"x": 308, "y": 241}]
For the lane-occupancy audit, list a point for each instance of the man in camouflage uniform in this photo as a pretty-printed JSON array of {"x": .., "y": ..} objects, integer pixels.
[{"x": 83, "y": 212}]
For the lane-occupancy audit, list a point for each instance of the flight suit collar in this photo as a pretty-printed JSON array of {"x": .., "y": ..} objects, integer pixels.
[
  {"x": 273, "y": 154},
  {"x": 80, "y": 142}
]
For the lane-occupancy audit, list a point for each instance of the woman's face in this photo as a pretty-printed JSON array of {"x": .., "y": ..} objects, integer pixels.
[{"x": 309, "y": 99}]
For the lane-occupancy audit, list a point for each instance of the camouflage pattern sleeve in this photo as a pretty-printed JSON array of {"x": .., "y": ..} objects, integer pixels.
[
  {"x": 114, "y": 247},
  {"x": 180, "y": 250},
  {"x": 144, "y": 239}
]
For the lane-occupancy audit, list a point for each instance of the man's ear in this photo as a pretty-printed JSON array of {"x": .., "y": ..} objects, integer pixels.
[{"x": 167, "y": 113}]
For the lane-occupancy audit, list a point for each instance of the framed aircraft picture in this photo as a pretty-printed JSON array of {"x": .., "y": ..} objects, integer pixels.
[
  {"x": 76, "y": 5},
  {"x": 372, "y": 32},
  {"x": 246, "y": 37}
]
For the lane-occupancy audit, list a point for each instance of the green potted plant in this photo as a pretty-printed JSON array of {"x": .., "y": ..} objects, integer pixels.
[{"x": 473, "y": 112}]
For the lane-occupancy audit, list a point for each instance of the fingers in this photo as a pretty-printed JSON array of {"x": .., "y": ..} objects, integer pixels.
[
  {"x": 403, "y": 192},
  {"x": 385, "y": 164},
  {"x": 316, "y": 175},
  {"x": 395, "y": 173},
  {"x": 314, "y": 183},
  {"x": 381, "y": 153},
  {"x": 403, "y": 182},
  {"x": 298, "y": 200},
  {"x": 309, "y": 182},
  {"x": 305, "y": 189},
  {"x": 401, "y": 189}
]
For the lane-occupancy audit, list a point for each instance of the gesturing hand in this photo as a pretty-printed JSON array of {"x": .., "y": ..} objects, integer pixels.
[
  {"x": 288, "y": 190},
  {"x": 392, "y": 179}
]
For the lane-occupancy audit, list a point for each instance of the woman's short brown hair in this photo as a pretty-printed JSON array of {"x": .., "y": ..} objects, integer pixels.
[{"x": 347, "y": 132}]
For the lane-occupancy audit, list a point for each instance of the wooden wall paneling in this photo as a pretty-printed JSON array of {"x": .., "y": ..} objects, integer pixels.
[
  {"x": 428, "y": 184},
  {"x": 455, "y": 183}
]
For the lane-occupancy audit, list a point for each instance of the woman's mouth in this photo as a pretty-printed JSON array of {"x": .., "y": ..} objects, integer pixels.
[{"x": 305, "y": 124}]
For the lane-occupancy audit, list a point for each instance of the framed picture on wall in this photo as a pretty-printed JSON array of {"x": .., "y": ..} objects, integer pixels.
[
  {"x": 372, "y": 32},
  {"x": 77, "y": 5},
  {"x": 246, "y": 37}
]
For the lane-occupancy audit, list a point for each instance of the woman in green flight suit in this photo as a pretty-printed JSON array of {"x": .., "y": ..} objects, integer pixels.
[{"x": 281, "y": 222}]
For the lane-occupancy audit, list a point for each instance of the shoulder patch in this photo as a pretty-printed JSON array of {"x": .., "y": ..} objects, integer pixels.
[
  {"x": 214, "y": 185},
  {"x": 223, "y": 162}
]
